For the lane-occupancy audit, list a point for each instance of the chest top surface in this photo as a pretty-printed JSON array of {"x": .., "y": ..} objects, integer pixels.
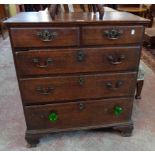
[{"x": 43, "y": 17}]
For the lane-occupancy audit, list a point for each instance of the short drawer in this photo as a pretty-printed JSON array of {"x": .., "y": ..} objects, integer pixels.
[
  {"x": 84, "y": 60},
  {"x": 44, "y": 37},
  {"x": 67, "y": 88},
  {"x": 78, "y": 114},
  {"x": 112, "y": 35}
]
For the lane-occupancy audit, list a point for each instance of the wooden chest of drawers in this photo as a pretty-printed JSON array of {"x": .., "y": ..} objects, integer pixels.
[{"x": 76, "y": 72}]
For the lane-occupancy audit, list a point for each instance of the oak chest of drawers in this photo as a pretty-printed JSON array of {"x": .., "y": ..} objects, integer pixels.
[{"x": 76, "y": 72}]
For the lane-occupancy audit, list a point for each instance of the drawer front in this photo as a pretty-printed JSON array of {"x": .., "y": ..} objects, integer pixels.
[
  {"x": 40, "y": 90},
  {"x": 78, "y": 60},
  {"x": 78, "y": 114},
  {"x": 44, "y": 37},
  {"x": 108, "y": 35}
]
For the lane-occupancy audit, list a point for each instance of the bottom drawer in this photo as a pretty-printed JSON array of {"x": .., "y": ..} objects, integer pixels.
[{"x": 78, "y": 114}]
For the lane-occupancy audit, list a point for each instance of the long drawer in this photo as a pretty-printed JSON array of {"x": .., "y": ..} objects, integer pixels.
[
  {"x": 44, "y": 37},
  {"x": 42, "y": 62},
  {"x": 78, "y": 114},
  {"x": 64, "y": 88},
  {"x": 112, "y": 35}
]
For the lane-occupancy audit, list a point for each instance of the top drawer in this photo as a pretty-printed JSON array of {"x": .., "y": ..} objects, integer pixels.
[
  {"x": 44, "y": 37},
  {"x": 108, "y": 35}
]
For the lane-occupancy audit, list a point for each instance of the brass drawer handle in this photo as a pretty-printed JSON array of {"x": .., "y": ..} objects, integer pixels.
[
  {"x": 118, "y": 84},
  {"x": 45, "y": 91},
  {"x": 113, "y": 33},
  {"x": 115, "y": 60},
  {"x": 46, "y": 35},
  {"x": 46, "y": 64},
  {"x": 80, "y": 56}
]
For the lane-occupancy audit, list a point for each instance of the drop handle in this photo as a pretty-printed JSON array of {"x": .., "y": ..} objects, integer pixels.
[
  {"x": 115, "y": 60},
  {"x": 45, "y": 64},
  {"x": 45, "y": 91},
  {"x": 117, "y": 85}
]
